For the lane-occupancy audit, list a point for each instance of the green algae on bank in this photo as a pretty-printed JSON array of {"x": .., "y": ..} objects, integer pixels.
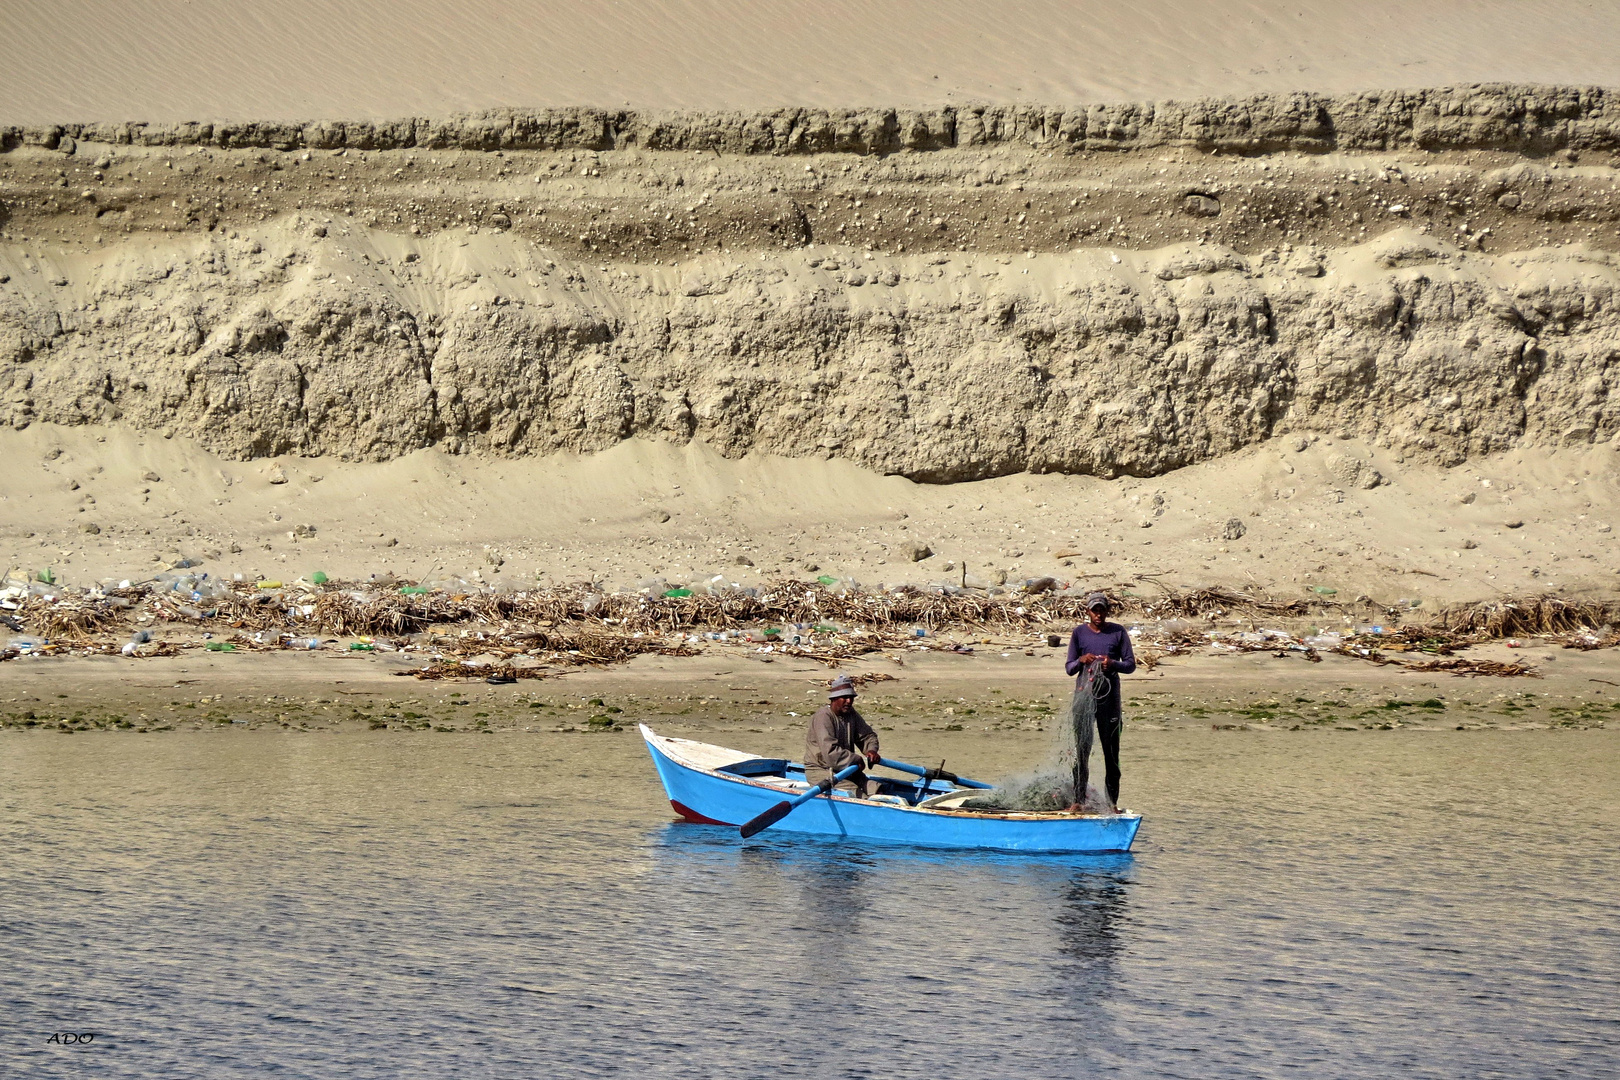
[{"x": 992, "y": 711}]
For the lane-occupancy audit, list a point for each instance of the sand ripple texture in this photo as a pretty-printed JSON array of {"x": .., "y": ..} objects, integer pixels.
[
  {"x": 299, "y": 58},
  {"x": 1426, "y": 905}
]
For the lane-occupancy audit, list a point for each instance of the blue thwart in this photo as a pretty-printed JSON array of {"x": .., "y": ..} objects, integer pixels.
[{"x": 714, "y": 785}]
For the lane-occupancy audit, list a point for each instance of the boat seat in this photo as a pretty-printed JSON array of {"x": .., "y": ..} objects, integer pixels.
[
  {"x": 757, "y": 767},
  {"x": 794, "y": 787},
  {"x": 948, "y": 800}
]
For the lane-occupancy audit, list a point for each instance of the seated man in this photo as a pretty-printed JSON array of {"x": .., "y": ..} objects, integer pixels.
[{"x": 839, "y": 737}]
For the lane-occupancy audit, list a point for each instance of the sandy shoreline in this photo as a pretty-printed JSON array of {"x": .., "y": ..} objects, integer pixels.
[{"x": 730, "y": 690}]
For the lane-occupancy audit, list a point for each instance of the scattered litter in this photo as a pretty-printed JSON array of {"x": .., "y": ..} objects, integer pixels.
[
  {"x": 1458, "y": 665},
  {"x": 450, "y": 620}
]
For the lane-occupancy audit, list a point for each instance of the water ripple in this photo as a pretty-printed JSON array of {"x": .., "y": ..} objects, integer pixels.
[{"x": 237, "y": 904}]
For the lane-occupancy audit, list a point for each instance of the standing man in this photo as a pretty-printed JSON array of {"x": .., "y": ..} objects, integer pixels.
[
  {"x": 1099, "y": 653},
  {"x": 839, "y": 737}
]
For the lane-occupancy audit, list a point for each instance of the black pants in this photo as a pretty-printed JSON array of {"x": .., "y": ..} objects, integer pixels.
[{"x": 1108, "y": 728}]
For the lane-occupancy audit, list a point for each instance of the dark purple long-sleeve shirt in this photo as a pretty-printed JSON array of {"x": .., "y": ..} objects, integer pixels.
[{"x": 1112, "y": 641}]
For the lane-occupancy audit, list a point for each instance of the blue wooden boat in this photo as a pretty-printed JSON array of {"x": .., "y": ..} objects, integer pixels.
[{"x": 714, "y": 785}]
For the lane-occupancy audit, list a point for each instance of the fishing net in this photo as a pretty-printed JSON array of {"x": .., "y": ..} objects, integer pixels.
[{"x": 1051, "y": 785}]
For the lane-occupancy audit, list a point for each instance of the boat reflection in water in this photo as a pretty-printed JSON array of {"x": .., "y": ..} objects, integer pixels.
[{"x": 973, "y": 942}]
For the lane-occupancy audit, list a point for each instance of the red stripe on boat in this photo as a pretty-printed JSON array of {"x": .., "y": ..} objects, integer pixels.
[{"x": 693, "y": 816}]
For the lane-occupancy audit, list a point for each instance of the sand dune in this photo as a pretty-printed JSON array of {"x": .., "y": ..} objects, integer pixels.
[{"x": 164, "y": 60}]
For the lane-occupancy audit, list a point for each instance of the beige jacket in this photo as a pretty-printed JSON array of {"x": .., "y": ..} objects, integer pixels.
[{"x": 835, "y": 741}]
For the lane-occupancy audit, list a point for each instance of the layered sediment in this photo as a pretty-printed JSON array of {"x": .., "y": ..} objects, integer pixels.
[
  {"x": 1499, "y": 116},
  {"x": 945, "y": 295}
]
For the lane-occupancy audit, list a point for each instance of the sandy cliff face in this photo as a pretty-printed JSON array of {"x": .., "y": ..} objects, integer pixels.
[
  {"x": 939, "y": 367},
  {"x": 1010, "y": 302}
]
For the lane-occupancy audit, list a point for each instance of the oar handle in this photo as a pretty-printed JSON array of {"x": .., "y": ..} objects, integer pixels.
[
  {"x": 828, "y": 784},
  {"x": 933, "y": 774}
]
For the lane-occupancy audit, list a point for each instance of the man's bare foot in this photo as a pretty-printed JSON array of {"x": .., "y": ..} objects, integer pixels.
[{"x": 1074, "y": 808}]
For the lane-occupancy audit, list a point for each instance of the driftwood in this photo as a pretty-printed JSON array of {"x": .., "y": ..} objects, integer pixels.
[{"x": 575, "y": 625}]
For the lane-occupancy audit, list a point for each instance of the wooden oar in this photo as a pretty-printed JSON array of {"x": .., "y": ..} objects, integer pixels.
[
  {"x": 934, "y": 774},
  {"x": 787, "y": 806}
]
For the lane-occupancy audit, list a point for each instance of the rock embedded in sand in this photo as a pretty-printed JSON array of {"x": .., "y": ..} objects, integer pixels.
[
  {"x": 1201, "y": 205},
  {"x": 916, "y": 551},
  {"x": 90, "y": 527},
  {"x": 1234, "y": 529}
]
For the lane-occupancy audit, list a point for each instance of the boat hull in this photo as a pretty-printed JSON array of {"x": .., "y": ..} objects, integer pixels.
[{"x": 711, "y": 796}]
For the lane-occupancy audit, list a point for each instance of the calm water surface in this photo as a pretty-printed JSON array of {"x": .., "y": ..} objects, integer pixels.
[{"x": 1375, "y": 904}]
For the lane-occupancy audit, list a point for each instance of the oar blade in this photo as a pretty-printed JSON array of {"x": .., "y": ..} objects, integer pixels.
[{"x": 767, "y": 819}]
